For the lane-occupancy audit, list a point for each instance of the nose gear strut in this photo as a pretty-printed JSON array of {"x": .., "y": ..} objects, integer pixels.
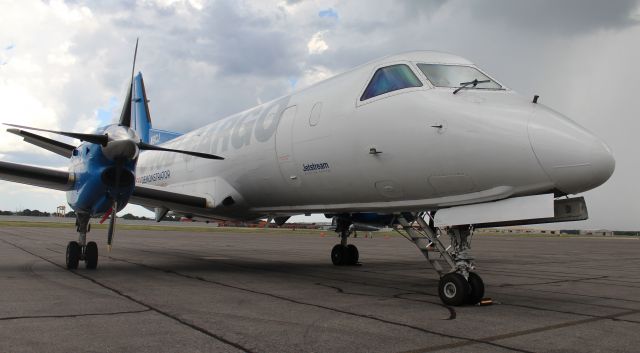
[{"x": 454, "y": 263}]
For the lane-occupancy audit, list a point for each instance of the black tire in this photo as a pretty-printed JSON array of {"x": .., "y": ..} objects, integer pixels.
[
  {"x": 339, "y": 255},
  {"x": 91, "y": 255},
  {"x": 73, "y": 255},
  {"x": 477, "y": 289},
  {"x": 453, "y": 289},
  {"x": 352, "y": 254}
]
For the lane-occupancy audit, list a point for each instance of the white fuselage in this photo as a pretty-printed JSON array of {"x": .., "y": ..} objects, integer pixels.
[{"x": 322, "y": 149}]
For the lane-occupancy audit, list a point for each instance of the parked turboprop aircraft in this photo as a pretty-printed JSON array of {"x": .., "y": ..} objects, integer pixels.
[{"x": 388, "y": 143}]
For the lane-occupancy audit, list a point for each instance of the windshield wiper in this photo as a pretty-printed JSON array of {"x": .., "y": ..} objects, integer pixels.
[{"x": 466, "y": 84}]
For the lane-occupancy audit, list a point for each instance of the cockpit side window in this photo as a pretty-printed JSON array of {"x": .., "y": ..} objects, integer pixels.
[{"x": 390, "y": 78}]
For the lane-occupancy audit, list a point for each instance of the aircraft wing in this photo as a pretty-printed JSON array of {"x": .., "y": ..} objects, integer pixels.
[
  {"x": 54, "y": 146},
  {"x": 37, "y": 176},
  {"x": 153, "y": 196}
]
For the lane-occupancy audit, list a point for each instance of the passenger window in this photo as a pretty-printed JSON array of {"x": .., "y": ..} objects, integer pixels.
[{"x": 390, "y": 78}]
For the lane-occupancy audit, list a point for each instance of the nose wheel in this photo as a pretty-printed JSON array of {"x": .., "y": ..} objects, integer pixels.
[
  {"x": 453, "y": 289},
  {"x": 456, "y": 290}
]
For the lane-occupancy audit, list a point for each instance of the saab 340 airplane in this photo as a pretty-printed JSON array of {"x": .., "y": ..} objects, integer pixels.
[{"x": 389, "y": 143}]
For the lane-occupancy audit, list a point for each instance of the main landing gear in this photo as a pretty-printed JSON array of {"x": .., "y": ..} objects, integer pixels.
[
  {"x": 458, "y": 284},
  {"x": 344, "y": 254},
  {"x": 81, "y": 250}
]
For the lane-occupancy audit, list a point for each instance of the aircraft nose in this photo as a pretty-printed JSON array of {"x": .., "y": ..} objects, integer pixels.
[{"x": 574, "y": 159}]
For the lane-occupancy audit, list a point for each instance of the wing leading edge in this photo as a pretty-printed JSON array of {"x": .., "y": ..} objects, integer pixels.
[{"x": 37, "y": 176}]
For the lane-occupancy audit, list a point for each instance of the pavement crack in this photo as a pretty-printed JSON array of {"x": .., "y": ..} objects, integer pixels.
[
  {"x": 7, "y": 318},
  {"x": 137, "y": 301},
  {"x": 553, "y": 282},
  {"x": 452, "y": 310}
]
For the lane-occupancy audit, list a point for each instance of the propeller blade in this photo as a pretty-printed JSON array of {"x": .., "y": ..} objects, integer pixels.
[
  {"x": 148, "y": 147},
  {"x": 112, "y": 225},
  {"x": 125, "y": 115},
  {"x": 114, "y": 208},
  {"x": 93, "y": 138}
]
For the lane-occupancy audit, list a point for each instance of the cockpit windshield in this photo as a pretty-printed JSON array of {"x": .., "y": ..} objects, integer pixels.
[{"x": 455, "y": 76}]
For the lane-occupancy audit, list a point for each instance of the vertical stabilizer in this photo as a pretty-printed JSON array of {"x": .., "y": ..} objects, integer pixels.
[{"x": 140, "y": 116}]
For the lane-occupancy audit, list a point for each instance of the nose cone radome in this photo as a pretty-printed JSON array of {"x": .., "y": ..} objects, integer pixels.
[{"x": 572, "y": 157}]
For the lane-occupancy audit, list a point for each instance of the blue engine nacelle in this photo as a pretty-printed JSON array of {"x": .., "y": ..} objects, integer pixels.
[{"x": 95, "y": 181}]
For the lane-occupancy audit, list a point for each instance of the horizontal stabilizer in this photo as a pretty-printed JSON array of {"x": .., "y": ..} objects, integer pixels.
[
  {"x": 54, "y": 146},
  {"x": 157, "y": 136},
  {"x": 43, "y": 177}
]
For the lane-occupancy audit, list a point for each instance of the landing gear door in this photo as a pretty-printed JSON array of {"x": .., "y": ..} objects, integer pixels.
[{"x": 284, "y": 147}]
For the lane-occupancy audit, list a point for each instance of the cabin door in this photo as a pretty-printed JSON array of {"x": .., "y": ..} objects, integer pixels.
[{"x": 284, "y": 147}]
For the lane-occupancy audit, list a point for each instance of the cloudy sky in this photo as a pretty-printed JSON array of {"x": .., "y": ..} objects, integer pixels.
[{"x": 64, "y": 65}]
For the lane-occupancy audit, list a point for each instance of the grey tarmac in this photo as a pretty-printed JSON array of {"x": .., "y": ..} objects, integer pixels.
[{"x": 170, "y": 291}]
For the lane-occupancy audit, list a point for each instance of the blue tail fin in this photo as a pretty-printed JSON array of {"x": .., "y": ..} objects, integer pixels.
[{"x": 140, "y": 116}]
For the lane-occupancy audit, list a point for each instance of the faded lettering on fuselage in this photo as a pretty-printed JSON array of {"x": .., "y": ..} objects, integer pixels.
[
  {"x": 237, "y": 131},
  {"x": 151, "y": 178},
  {"x": 261, "y": 122}
]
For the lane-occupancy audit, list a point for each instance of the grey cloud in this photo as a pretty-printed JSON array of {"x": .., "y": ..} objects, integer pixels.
[
  {"x": 427, "y": 8},
  {"x": 560, "y": 17},
  {"x": 246, "y": 44}
]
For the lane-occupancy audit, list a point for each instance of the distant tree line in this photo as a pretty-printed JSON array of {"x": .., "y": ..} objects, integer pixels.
[
  {"x": 26, "y": 212},
  {"x": 33, "y": 213},
  {"x": 72, "y": 214}
]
